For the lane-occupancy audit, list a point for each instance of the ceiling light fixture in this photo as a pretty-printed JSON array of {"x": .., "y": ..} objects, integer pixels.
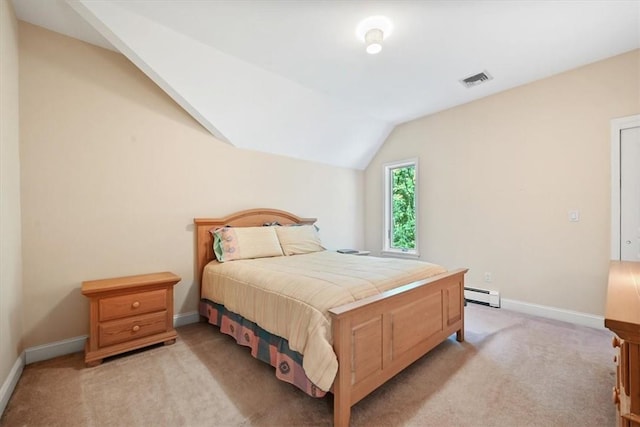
[
  {"x": 372, "y": 31},
  {"x": 373, "y": 39}
]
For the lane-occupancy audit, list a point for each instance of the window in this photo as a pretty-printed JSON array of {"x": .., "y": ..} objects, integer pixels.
[{"x": 401, "y": 208}]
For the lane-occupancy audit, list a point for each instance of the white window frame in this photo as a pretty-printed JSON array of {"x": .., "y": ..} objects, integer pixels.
[{"x": 387, "y": 250}]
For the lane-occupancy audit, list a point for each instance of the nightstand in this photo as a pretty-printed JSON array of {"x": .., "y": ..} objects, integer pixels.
[{"x": 127, "y": 313}]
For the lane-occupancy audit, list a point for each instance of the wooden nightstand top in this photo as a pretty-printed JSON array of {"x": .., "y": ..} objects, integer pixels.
[{"x": 118, "y": 283}]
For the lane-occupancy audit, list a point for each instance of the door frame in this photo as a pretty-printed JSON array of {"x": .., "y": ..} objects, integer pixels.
[{"x": 617, "y": 126}]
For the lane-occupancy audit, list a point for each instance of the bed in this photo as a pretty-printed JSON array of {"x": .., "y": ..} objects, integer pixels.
[{"x": 372, "y": 336}]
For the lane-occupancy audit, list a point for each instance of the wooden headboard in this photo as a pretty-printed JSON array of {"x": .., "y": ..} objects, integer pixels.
[{"x": 248, "y": 218}]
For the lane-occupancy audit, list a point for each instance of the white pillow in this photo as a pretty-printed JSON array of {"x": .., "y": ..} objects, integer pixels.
[
  {"x": 230, "y": 243},
  {"x": 299, "y": 239}
]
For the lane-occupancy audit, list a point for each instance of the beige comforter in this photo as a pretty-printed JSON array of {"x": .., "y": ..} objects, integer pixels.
[{"x": 290, "y": 296}]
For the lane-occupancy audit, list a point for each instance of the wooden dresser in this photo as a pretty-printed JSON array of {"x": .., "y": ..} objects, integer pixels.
[
  {"x": 623, "y": 318},
  {"x": 127, "y": 313}
]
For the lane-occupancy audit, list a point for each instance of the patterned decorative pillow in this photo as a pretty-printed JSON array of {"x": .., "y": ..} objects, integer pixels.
[
  {"x": 231, "y": 244},
  {"x": 296, "y": 240}
]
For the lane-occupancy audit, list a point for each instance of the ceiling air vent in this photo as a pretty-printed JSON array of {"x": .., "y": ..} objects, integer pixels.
[{"x": 476, "y": 79}]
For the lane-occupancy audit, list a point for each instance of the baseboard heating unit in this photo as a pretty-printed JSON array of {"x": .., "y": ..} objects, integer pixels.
[{"x": 482, "y": 296}]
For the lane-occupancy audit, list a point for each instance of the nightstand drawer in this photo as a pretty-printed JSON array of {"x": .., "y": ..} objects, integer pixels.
[
  {"x": 132, "y": 304},
  {"x": 131, "y": 328}
]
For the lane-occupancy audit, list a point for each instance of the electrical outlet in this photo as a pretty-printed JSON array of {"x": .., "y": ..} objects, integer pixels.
[{"x": 488, "y": 277}]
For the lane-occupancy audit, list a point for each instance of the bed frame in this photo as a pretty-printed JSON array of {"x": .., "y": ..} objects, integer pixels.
[{"x": 374, "y": 338}]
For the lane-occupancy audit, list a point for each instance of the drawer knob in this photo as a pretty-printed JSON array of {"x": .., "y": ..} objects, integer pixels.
[
  {"x": 135, "y": 328},
  {"x": 615, "y": 342},
  {"x": 135, "y": 304}
]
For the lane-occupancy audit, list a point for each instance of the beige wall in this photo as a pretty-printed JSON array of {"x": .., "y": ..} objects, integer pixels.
[
  {"x": 499, "y": 175},
  {"x": 113, "y": 173},
  {"x": 10, "y": 240}
]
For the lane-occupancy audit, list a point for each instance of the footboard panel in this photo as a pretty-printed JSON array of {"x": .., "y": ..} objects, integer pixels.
[{"x": 378, "y": 337}]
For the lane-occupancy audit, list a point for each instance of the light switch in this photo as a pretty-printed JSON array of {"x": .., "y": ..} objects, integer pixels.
[{"x": 574, "y": 216}]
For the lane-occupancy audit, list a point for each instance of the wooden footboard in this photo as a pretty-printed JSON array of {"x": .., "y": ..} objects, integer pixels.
[{"x": 377, "y": 337}]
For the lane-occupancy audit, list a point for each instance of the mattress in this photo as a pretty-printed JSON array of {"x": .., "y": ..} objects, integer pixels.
[{"x": 290, "y": 296}]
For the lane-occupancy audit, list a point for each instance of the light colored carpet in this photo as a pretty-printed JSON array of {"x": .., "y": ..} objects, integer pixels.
[{"x": 513, "y": 370}]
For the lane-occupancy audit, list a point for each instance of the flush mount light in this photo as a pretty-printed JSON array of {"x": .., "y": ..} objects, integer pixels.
[
  {"x": 373, "y": 39},
  {"x": 372, "y": 31}
]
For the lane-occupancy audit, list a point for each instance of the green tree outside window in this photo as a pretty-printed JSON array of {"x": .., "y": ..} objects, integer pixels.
[{"x": 404, "y": 212}]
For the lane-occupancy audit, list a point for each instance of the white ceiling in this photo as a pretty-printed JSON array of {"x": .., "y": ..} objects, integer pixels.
[{"x": 290, "y": 77}]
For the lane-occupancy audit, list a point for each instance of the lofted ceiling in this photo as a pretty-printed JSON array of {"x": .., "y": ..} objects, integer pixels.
[{"x": 291, "y": 77}]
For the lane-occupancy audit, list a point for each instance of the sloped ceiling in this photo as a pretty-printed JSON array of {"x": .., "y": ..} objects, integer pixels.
[{"x": 292, "y": 78}]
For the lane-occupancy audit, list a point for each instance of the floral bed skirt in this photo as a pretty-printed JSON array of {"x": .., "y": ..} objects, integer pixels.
[{"x": 269, "y": 348}]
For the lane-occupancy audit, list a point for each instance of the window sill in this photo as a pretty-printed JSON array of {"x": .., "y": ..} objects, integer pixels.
[{"x": 400, "y": 254}]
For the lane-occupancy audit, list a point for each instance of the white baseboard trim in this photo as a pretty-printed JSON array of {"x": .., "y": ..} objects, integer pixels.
[
  {"x": 54, "y": 349},
  {"x": 570, "y": 316},
  {"x": 10, "y": 382},
  {"x": 74, "y": 345},
  {"x": 186, "y": 318}
]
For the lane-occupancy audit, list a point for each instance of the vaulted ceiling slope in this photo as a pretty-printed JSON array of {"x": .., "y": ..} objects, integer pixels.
[{"x": 291, "y": 77}]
